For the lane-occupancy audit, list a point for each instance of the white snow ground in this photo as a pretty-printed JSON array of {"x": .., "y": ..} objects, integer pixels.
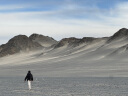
[{"x": 65, "y": 86}]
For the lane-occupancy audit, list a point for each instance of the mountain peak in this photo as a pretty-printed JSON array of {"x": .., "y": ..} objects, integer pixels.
[
  {"x": 17, "y": 44},
  {"x": 69, "y": 41},
  {"x": 72, "y": 41},
  {"x": 45, "y": 41},
  {"x": 119, "y": 34}
]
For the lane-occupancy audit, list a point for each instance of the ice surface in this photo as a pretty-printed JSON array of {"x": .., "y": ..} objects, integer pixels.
[{"x": 65, "y": 86}]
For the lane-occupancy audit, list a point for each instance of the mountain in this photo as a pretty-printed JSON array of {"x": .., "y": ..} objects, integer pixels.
[
  {"x": 43, "y": 40},
  {"x": 67, "y": 41},
  {"x": 122, "y": 33},
  {"x": 69, "y": 57},
  {"x": 23, "y": 43},
  {"x": 103, "y": 46},
  {"x": 17, "y": 44},
  {"x": 72, "y": 41},
  {"x": 120, "y": 50}
]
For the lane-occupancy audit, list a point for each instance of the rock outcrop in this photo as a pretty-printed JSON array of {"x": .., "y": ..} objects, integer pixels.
[
  {"x": 17, "y": 44},
  {"x": 75, "y": 41},
  {"x": 35, "y": 41},
  {"x": 122, "y": 33},
  {"x": 67, "y": 41},
  {"x": 45, "y": 41}
]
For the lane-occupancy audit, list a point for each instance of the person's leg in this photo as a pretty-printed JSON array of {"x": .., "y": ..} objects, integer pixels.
[{"x": 29, "y": 85}]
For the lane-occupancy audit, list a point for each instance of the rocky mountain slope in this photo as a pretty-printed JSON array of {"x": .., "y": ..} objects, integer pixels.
[
  {"x": 17, "y": 44},
  {"x": 22, "y": 43},
  {"x": 42, "y": 40},
  {"x": 76, "y": 57},
  {"x": 106, "y": 45},
  {"x": 122, "y": 33}
]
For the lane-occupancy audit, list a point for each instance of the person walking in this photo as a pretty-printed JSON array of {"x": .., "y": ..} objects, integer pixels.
[{"x": 29, "y": 78}]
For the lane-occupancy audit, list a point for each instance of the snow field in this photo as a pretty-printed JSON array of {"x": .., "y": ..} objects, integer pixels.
[{"x": 65, "y": 86}]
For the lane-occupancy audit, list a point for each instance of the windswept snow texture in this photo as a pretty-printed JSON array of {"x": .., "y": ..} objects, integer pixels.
[
  {"x": 65, "y": 86},
  {"x": 96, "y": 59}
]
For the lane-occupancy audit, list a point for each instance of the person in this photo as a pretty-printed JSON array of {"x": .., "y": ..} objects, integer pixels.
[{"x": 29, "y": 78}]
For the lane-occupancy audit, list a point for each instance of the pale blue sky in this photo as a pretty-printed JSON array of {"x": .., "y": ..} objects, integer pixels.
[{"x": 62, "y": 18}]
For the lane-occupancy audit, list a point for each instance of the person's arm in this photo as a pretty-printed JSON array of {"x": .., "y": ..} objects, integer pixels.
[
  {"x": 25, "y": 77},
  {"x": 32, "y": 77}
]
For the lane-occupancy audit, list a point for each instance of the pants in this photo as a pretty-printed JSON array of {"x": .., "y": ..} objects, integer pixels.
[{"x": 29, "y": 85}]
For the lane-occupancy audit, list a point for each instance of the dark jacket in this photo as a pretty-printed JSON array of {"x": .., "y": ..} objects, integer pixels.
[{"x": 29, "y": 76}]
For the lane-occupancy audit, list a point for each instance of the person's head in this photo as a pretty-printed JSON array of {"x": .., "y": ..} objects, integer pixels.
[{"x": 29, "y": 71}]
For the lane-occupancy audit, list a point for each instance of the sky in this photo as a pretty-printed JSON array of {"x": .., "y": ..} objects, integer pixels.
[{"x": 62, "y": 18}]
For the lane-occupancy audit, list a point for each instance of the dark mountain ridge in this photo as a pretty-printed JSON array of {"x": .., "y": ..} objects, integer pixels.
[
  {"x": 45, "y": 41},
  {"x": 17, "y": 44},
  {"x": 72, "y": 41},
  {"x": 36, "y": 41},
  {"x": 122, "y": 33}
]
